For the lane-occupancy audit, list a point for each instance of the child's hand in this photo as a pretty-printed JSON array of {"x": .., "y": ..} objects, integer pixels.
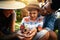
[
  {"x": 25, "y": 31},
  {"x": 39, "y": 28},
  {"x": 32, "y": 32}
]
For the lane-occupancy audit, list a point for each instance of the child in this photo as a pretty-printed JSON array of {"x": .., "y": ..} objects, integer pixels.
[{"x": 31, "y": 24}]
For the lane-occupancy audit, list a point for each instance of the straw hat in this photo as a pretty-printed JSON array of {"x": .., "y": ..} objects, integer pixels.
[
  {"x": 11, "y": 4},
  {"x": 32, "y": 7}
]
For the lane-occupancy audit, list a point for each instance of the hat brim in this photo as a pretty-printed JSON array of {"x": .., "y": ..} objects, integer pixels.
[{"x": 11, "y": 5}]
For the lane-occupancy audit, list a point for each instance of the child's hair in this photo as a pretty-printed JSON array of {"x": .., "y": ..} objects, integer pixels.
[{"x": 32, "y": 7}]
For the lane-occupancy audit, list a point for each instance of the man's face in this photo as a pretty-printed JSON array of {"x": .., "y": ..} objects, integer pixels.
[
  {"x": 7, "y": 11},
  {"x": 33, "y": 14},
  {"x": 46, "y": 9}
]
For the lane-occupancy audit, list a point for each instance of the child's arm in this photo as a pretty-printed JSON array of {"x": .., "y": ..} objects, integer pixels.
[{"x": 22, "y": 25}]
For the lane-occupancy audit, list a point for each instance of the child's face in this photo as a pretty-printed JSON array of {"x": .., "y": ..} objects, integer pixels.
[{"x": 33, "y": 14}]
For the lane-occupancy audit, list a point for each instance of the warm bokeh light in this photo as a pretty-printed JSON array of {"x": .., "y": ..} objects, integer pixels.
[{"x": 29, "y": 1}]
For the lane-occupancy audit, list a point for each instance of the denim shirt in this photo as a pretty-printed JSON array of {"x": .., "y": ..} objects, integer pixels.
[{"x": 49, "y": 21}]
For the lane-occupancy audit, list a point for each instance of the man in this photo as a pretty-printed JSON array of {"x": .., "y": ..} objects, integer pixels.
[{"x": 50, "y": 17}]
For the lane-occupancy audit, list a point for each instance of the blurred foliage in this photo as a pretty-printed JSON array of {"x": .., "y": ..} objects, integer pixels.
[
  {"x": 18, "y": 15},
  {"x": 17, "y": 26},
  {"x": 27, "y": 2},
  {"x": 24, "y": 1},
  {"x": 18, "y": 19}
]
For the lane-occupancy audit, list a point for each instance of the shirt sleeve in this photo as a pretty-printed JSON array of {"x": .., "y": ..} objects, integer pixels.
[
  {"x": 22, "y": 24},
  {"x": 50, "y": 23}
]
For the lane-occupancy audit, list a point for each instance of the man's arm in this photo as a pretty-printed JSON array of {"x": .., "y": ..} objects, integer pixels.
[{"x": 50, "y": 23}]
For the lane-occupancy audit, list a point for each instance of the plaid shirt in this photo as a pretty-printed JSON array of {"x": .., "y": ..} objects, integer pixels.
[{"x": 49, "y": 21}]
